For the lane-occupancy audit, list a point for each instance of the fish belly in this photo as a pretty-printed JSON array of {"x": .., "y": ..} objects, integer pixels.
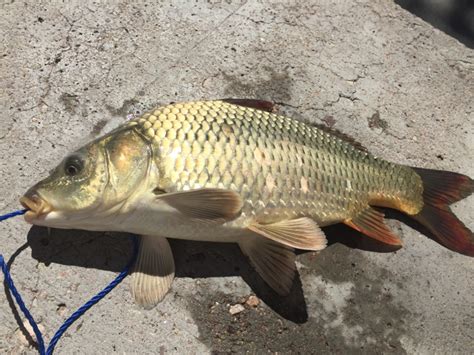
[{"x": 164, "y": 221}]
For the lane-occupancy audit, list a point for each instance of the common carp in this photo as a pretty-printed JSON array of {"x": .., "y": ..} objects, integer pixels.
[{"x": 232, "y": 171}]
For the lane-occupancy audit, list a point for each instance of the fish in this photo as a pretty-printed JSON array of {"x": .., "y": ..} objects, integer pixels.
[{"x": 236, "y": 171}]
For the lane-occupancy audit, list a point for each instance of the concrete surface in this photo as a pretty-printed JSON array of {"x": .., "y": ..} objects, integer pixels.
[
  {"x": 454, "y": 17},
  {"x": 368, "y": 68}
]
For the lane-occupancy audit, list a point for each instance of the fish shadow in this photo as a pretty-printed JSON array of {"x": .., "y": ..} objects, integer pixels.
[{"x": 112, "y": 251}]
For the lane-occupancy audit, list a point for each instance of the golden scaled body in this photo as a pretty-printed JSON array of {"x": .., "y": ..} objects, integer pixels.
[
  {"x": 282, "y": 168},
  {"x": 224, "y": 171}
]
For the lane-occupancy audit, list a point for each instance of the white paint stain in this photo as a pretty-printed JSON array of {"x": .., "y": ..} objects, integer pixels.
[
  {"x": 175, "y": 152},
  {"x": 348, "y": 185},
  {"x": 270, "y": 183},
  {"x": 261, "y": 157},
  {"x": 304, "y": 185},
  {"x": 299, "y": 159},
  {"x": 257, "y": 154}
]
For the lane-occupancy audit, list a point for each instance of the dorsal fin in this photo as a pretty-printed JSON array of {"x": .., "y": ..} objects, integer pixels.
[{"x": 253, "y": 103}]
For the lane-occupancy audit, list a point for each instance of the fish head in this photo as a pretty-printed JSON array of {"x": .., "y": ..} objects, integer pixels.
[{"x": 89, "y": 183}]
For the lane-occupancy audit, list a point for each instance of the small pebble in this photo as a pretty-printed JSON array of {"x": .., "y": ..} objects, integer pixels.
[
  {"x": 236, "y": 309},
  {"x": 61, "y": 310},
  {"x": 252, "y": 301}
]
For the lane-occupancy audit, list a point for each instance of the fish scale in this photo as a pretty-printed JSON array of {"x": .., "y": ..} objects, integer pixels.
[{"x": 283, "y": 166}]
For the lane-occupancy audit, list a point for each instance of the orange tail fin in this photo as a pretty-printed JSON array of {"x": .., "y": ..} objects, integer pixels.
[{"x": 440, "y": 189}]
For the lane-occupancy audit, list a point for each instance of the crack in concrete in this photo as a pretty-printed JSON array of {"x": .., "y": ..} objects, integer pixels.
[
  {"x": 360, "y": 65},
  {"x": 212, "y": 30},
  {"x": 188, "y": 51},
  {"x": 54, "y": 63},
  {"x": 340, "y": 96},
  {"x": 285, "y": 22}
]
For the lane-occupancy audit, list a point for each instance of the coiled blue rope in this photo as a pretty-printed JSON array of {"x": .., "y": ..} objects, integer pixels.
[{"x": 83, "y": 309}]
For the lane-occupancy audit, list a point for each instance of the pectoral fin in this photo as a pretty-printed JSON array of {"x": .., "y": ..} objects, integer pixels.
[
  {"x": 274, "y": 262},
  {"x": 371, "y": 223},
  {"x": 301, "y": 233},
  {"x": 153, "y": 272},
  {"x": 206, "y": 204}
]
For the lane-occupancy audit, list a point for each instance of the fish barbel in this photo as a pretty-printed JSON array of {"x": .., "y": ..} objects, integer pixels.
[{"x": 231, "y": 171}]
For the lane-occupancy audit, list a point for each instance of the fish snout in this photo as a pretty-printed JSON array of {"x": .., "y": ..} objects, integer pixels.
[{"x": 34, "y": 203}]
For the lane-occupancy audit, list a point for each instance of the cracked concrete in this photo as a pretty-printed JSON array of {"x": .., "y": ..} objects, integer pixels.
[{"x": 367, "y": 68}]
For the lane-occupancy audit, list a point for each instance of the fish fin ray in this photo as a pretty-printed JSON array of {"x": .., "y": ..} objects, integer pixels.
[
  {"x": 371, "y": 223},
  {"x": 440, "y": 189},
  {"x": 447, "y": 228},
  {"x": 205, "y": 204},
  {"x": 302, "y": 233},
  {"x": 274, "y": 262},
  {"x": 444, "y": 187},
  {"x": 153, "y": 272},
  {"x": 253, "y": 103}
]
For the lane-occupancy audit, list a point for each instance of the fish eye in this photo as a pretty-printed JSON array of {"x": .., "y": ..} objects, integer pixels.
[{"x": 73, "y": 165}]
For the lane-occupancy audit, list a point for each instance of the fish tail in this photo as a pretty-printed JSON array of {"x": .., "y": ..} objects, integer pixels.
[{"x": 440, "y": 189}]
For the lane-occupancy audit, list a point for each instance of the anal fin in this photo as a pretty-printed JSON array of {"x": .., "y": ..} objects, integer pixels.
[
  {"x": 274, "y": 262},
  {"x": 153, "y": 272},
  {"x": 371, "y": 223}
]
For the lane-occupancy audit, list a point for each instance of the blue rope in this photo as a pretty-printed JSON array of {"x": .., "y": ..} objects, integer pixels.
[
  {"x": 83, "y": 309},
  {"x": 12, "y": 214},
  {"x": 21, "y": 304}
]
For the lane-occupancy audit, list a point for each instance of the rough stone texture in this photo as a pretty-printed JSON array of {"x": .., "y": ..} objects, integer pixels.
[{"x": 367, "y": 68}]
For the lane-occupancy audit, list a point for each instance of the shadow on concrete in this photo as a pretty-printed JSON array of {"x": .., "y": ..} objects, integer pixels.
[
  {"x": 454, "y": 17},
  {"x": 11, "y": 303},
  {"x": 111, "y": 252}
]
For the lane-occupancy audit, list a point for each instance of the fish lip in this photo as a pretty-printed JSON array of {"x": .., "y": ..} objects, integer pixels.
[
  {"x": 36, "y": 206},
  {"x": 27, "y": 203}
]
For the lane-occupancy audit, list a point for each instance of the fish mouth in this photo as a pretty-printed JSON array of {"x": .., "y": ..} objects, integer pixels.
[{"x": 37, "y": 207}]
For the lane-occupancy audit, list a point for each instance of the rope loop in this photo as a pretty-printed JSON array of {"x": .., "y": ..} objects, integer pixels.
[{"x": 73, "y": 317}]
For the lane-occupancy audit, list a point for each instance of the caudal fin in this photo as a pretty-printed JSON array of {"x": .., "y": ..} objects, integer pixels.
[{"x": 440, "y": 189}]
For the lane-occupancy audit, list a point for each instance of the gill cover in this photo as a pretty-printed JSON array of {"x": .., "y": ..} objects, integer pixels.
[{"x": 127, "y": 156}]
